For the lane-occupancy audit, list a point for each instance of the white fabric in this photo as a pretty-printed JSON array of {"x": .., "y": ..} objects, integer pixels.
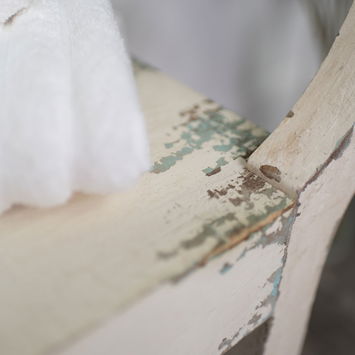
[{"x": 69, "y": 116}]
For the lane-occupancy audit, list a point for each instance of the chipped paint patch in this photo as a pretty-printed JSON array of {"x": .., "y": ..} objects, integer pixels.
[
  {"x": 271, "y": 172},
  {"x": 275, "y": 279},
  {"x": 211, "y": 171},
  {"x": 217, "y": 193},
  {"x": 169, "y": 161},
  {"x": 209, "y": 124},
  {"x": 226, "y": 267},
  {"x": 271, "y": 235},
  {"x": 215, "y": 171},
  {"x": 236, "y": 237},
  {"x": 242, "y": 194},
  {"x": 277, "y": 233},
  {"x": 252, "y": 182}
]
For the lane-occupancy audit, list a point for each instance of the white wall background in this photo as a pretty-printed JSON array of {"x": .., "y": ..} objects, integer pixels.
[{"x": 254, "y": 56}]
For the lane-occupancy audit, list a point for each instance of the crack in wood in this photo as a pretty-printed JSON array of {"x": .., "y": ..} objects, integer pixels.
[{"x": 336, "y": 154}]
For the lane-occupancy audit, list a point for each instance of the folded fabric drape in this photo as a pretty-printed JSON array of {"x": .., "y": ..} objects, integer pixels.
[{"x": 69, "y": 115}]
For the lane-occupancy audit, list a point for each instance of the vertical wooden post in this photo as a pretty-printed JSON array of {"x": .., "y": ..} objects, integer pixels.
[{"x": 311, "y": 156}]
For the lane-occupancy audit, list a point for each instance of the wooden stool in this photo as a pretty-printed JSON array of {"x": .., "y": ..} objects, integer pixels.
[{"x": 215, "y": 241}]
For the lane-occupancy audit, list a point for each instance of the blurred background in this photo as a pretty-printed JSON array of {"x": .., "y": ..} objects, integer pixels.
[
  {"x": 332, "y": 325},
  {"x": 255, "y": 57}
]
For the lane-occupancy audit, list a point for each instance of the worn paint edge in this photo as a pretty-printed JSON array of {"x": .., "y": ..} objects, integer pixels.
[
  {"x": 244, "y": 234},
  {"x": 275, "y": 278}
]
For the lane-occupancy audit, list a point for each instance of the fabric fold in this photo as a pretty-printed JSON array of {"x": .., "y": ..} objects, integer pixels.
[{"x": 69, "y": 114}]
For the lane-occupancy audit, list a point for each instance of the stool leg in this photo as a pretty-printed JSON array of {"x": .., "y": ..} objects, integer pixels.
[{"x": 322, "y": 205}]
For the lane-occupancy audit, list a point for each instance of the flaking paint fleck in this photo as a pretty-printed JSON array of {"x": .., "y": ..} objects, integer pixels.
[
  {"x": 215, "y": 171},
  {"x": 226, "y": 267},
  {"x": 275, "y": 279},
  {"x": 271, "y": 172},
  {"x": 252, "y": 182},
  {"x": 219, "y": 163},
  {"x": 217, "y": 193},
  {"x": 169, "y": 161}
]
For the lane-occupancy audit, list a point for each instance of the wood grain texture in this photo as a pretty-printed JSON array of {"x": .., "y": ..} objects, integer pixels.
[
  {"x": 64, "y": 271},
  {"x": 295, "y": 151}
]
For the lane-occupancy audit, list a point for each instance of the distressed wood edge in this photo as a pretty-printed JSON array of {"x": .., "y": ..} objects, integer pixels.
[
  {"x": 266, "y": 164},
  {"x": 335, "y": 155},
  {"x": 244, "y": 234},
  {"x": 311, "y": 236},
  {"x": 169, "y": 297}
]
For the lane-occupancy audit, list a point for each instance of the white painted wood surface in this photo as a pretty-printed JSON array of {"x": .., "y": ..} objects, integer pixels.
[
  {"x": 64, "y": 271},
  {"x": 322, "y": 205},
  {"x": 207, "y": 311},
  {"x": 314, "y": 152}
]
